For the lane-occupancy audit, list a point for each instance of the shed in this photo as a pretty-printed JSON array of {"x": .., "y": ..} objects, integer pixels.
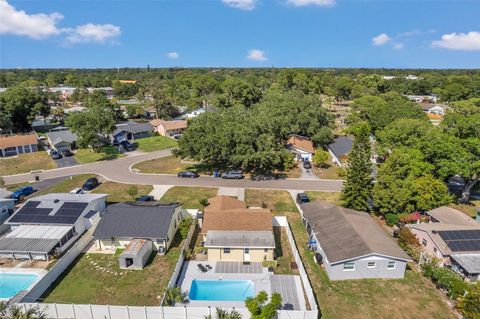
[{"x": 136, "y": 254}]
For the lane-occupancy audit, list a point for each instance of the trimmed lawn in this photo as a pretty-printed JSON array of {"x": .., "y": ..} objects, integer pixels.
[
  {"x": 97, "y": 279},
  {"x": 66, "y": 185},
  {"x": 117, "y": 192},
  {"x": 25, "y": 163},
  {"x": 86, "y": 155},
  {"x": 164, "y": 165},
  {"x": 189, "y": 196},
  {"x": 330, "y": 197},
  {"x": 330, "y": 172},
  {"x": 277, "y": 200},
  {"x": 155, "y": 143},
  {"x": 283, "y": 253}
]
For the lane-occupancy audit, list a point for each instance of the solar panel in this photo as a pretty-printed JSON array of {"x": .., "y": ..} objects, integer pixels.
[
  {"x": 462, "y": 240},
  {"x": 67, "y": 213},
  {"x": 31, "y": 204}
]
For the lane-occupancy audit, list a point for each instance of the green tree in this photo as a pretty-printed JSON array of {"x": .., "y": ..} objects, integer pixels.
[
  {"x": 175, "y": 295},
  {"x": 469, "y": 304},
  {"x": 358, "y": 185},
  {"x": 260, "y": 308},
  {"x": 430, "y": 192},
  {"x": 320, "y": 158}
]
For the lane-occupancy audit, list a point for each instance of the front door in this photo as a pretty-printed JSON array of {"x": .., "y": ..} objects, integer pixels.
[{"x": 246, "y": 255}]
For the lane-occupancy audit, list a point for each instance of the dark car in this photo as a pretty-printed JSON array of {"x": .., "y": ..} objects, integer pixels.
[
  {"x": 302, "y": 198},
  {"x": 307, "y": 164},
  {"x": 127, "y": 146},
  {"x": 146, "y": 198},
  {"x": 21, "y": 192},
  {"x": 55, "y": 155},
  {"x": 188, "y": 174},
  {"x": 90, "y": 184},
  {"x": 264, "y": 177},
  {"x": 66, "y": 152},
  {"x": 233, "y": 175}
]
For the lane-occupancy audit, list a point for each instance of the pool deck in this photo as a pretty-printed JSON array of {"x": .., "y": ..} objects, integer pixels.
[{"x": 290, "y": 287}]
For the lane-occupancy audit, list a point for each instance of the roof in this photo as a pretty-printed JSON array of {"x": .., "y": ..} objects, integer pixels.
[
  {"x": 238, "y": 219},
  {"x": 223, "y": 202},
  {"x": 132, "y": 127},
  {"x": 447, "y": 215},
  {"x": 39, "y": 232},
  {"x": 170, "y": 125},
  {"x": 61, "y": 136},
  {"x": 341, "y": 146},
  {"x": 301, "y": 143},
  {"x": 240, "y": 239},
  {"x": 4, "y": 193},
  {"x": 469, "y": 262},
  {"x": 136, "y": 220},
  {"x": 136, "y": 247},
  {"x": 346, "y": 234},
  {"x": 30, "y": 245},
  {"x": 17, "y": 140}
]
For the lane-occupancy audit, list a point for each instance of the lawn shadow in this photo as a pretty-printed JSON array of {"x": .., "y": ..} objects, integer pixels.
[{"x": 277, "y": 233}]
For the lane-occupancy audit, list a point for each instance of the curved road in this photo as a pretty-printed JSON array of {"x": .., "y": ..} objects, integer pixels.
[{"x": 119, "y": 170}]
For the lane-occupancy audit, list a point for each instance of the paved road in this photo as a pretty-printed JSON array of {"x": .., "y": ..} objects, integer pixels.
[{"x": 118, "y": 170}]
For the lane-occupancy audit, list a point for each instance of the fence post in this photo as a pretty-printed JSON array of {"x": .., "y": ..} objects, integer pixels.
[
  {"x": 109, "y": 314},
  {"x": 91, "y": 311},
  {"x": 128, "y": 312},
  {"x": 74, "y": 314},
  {"x": 162, "y": 312},
  {"x": 145, "y": 310},
  {"x": 56, "y": 310},
  {"x": 210, "y": 311},
  {"x": 186, "y": 313}
]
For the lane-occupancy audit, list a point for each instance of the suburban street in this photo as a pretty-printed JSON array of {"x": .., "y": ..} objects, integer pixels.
[{"x": 119, "y": 170}]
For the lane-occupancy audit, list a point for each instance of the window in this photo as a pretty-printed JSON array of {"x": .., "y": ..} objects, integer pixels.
[
  {"x": 434, "y": 249},
  {"x": 391, "y": 265},
  {"x": 247, "y": 250},
  {"x": 371, "y": 264},
  {"x": 226, "y": 250},
  {"x": 348, "y": 266},
  {"x": 424, "y": 242},
  {"x": 265, "y": 250}
]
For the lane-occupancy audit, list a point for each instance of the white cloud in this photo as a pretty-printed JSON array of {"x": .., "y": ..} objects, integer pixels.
[
  {"x": 98, "y": 33},
  {"x": 381, "y": 39},
  {"x": 459, "y": 41},
  {"x": 398, "y": 46},
  {"x": 173, "y": 55},
  {"x": 256, "y": 55},
  {"x": 36, "y": 26},
  {"x": 241, "y": 4},
  {"x": 320, "y": 3}
]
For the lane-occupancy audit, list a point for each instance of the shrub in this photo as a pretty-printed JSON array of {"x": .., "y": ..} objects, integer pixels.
[
  {"x": 184, "y": 226},
  {"x": 469, "y": 305},
  {"x": 269, "y": 263},
  {"x": 391, "y": 219},
  {"x": 320, "y": 158},
  {"x": 445, "y": 278},
  {"x": 406, "y": 238},
  {"x": 341, "y": 172}
]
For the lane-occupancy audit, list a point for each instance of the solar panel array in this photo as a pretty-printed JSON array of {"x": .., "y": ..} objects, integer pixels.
[
  {"x": 462, "y": 240},
  {"x": 67, "y": 214}
]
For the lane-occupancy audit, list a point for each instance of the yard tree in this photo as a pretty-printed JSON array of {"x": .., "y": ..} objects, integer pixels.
[
  {"x": 42, "y": 109},
  {"x": 430, "y": 192},
  {"x": 357, "y": 188},
  {"x": 260, "y": 308},
  {"x": 320, "y": 158}
]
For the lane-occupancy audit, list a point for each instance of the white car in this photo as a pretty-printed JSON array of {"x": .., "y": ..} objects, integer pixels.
[{"x": 77, "y": 190}]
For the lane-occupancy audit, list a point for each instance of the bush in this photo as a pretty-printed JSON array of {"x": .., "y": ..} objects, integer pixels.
[
  {"x": 320, "y": 158},
  {"x": 469, "y": 305},
  {"x": 407, "y": 238},
  {"x": 391, "y": 219},
  {"x": 341, "y": 172},
  {"x": 184, "y": 226},
  {"x": 269, "y": 263},
  {"x": 446, "y": 279}
]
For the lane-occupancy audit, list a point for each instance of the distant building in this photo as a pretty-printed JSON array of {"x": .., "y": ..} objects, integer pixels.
[
  {"x": 169, "y": 128},
  {"x": 301, "y": 146},
  {"x": 131, "y": 131},
  {"x": 11, "y": 145}
]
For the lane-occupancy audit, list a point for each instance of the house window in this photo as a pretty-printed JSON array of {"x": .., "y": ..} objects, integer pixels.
[
  {"x": 434, "y": 249},
  {"x": 391, "y": 265},
  {"x": 349, "y": 266},
  {"x": 265, "y": 250},
  {"x": 371, "y": 264},
  {"x": 226, "y": 250},
  {"x": 424, "y": 242}
]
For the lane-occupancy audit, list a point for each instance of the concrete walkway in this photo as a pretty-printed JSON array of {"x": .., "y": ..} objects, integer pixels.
[
  {"x": 159, "y": 190},
  {"x": 239, "y": 193},
  {"x": 307, "y": 173}
]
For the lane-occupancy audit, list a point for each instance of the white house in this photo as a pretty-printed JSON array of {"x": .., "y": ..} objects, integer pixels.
[{"x": 301, "y": 146}]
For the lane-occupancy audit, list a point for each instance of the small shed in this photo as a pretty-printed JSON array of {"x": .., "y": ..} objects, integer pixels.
[{"x": 136, "y": 254}]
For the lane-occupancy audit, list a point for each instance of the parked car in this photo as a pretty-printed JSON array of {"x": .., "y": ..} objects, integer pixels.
[
  {"x": 307, "y": 164},
  {"x": 90, "y": 184},
  {"x": 177, "y": 136},
  {"x": 146, "y": 198},
  {"x": 21, "y": 192},
  {"x": 77, "y": 190},
  {"x": 264, "y": 177},
  {"x": 55, "y": 155},
  {"x": 66, "y": 152},
  {"x": 127, "y": 146},
  {"x": 302, "y": 198},
  {"x": 188, "y": 174},
  {"x": 233, "y": 175}
]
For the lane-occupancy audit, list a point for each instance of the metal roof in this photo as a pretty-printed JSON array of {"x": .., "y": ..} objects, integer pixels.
[
  {"x": 27, "y": 245},
  {"x": 39, "y": 232},
  {"x": 137, "y": 247},
  {"x": 469, "y": 262},
  {"x": 240, "y": 239}
]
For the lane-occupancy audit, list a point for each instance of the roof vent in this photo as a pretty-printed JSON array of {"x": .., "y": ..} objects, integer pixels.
[{"x": 56, "y": 201}]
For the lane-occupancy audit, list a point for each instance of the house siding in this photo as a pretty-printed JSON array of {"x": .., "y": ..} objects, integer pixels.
[
  {"x": 20, "y": 149},
  {"x": 237, "y": 254}
]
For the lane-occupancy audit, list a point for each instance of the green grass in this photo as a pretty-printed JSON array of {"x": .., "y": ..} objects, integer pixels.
[
  {"x": 188, "y": 196},
  {"x": 278, "y": 201},
  {"x": 86, "y": 283},
  {"x": 117, "y": 192},
  {"x": 155, "y": 143},
  {"x": 66, "y": 185},
  {"x": 84, "y": 155},
  {"x": 25, "y": 163},
  {"x": 283, "y": 253},
  {"x": 163, "y": 165},
  {"x": 330, "y": 197}
]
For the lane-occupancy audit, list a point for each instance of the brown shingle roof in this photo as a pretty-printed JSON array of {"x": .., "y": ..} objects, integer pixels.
[
  {"x": 449, "y": 215},
  {"x": 224, "y": 202},
  {"x": 17, "y": 140},
  {"x": 169, "y": 125},
  {"x": 301, "y": 143},
  {"x": 238, "y": 219}
]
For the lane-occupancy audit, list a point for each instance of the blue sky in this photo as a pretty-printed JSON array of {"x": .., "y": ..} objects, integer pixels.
[{"x": 240, "y": 33}]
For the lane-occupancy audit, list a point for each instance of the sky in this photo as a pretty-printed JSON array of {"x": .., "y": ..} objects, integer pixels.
[{"x": 239, "y": 33}]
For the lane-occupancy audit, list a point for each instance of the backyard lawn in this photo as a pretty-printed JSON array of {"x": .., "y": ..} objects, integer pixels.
[
  {"x": 283, "y": 253},
  {"x": 164, "y": 165},
  {"x": 25, "y": 163},
  {"x": 86, "y": 155},
  {"x": 189, "y": 196},
  {"x": 117, "y": 192},
  {"x": 97, "y": 279},
  {"x": 155, "y": 143},
  {"x": 278, "y": 201}
]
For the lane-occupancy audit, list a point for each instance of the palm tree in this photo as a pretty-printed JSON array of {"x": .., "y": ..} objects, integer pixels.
[
  {"x": 224, "y": 314},
  {"x": 174, "y": 295},
  {"x": 15, "y": 312}
]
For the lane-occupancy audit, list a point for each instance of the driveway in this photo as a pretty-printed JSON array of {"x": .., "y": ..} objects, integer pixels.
[{"x": 65, "y": 161}]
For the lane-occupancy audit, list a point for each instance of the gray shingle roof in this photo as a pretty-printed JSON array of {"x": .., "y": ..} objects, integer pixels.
[
  {"x": 341, "y": 145},
  {"x": 240, "y": 239},
  {"x": 133, "y": 127},
  {"x": 62, "y": 136},
  {"x": 135, "y": 220}
]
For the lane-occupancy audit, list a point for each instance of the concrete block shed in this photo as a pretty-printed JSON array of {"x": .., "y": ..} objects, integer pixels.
[{"x": 136, "y": 254}]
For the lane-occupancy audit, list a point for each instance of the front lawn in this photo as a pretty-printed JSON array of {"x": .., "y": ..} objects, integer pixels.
[
  {"x": 117, "y": 192},
  {"x": 278, "y": 201},
  {"x": 86, "y": 155},
  {"x": 329, "y": 172},
  {"x": 189, "y": 196},
  {"x": 25, "y": 163},
  {"x": 66, "y": 185},
  {"x": 330, "y": 197},
  {"x": 155, "y": 143},
  {"x": 163, "y": 165},
  {"x": 97, "y": 279}
]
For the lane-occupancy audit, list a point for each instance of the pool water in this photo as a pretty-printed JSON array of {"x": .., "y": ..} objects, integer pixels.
[
  {"x": 12, "y": 283},
  {"x": 221, "y": 290}
]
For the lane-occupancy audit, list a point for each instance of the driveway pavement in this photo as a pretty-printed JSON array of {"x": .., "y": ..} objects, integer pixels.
[
  {"x": 65, "y": 161},
  {"x": 119, "y": 170}
]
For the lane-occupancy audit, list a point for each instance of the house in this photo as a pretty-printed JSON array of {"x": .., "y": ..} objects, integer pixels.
[
  {"x": 6, "y": 209},
  {"x": 436, "y": 109},
  {"x": 47, "y": 225},
  {"x": 350, "y": 244},
  {"x": 4, "y": 193},
  {"x": 339, "y": 149},
  {"x": 125, "y": 222},
  {"x": 233, "y": 232},
  {"x": 169, "y": 128},
  {"x": 11, "y": 145},
  {"x": 131, "y": 130},
  {"x": 60, "y": 140},
  {"x": 301, "y": 146}
]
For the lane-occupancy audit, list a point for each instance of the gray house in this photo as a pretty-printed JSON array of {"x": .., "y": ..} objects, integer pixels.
[
  {"x": 131, "y": 131},
  {"x": 125, "y": 222},
  {"x": 62, "y": 140},
  {"x": 339, "y": 149},
  {"x": 136, "y": 254},
  {"x": 350, "y": 244}
]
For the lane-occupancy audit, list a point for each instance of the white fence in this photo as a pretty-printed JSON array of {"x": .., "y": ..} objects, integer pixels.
[{"x": 178, "y": 266}]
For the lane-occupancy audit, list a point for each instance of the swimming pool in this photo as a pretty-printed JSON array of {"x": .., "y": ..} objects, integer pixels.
[
  {"x": 221, "y": 290},
  {"x": 12, "y": 283}
]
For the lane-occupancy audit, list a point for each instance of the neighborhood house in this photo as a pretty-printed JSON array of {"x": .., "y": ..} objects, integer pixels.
[
  {"x": 339, "y": 149},
  {"x": 11, "y": 145},
  {"x": 60, "y": 140},
  {"x": 131, "y": 131},
  {"x": 301, "y": 146},
  {"x": 169, "y": 128}
]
